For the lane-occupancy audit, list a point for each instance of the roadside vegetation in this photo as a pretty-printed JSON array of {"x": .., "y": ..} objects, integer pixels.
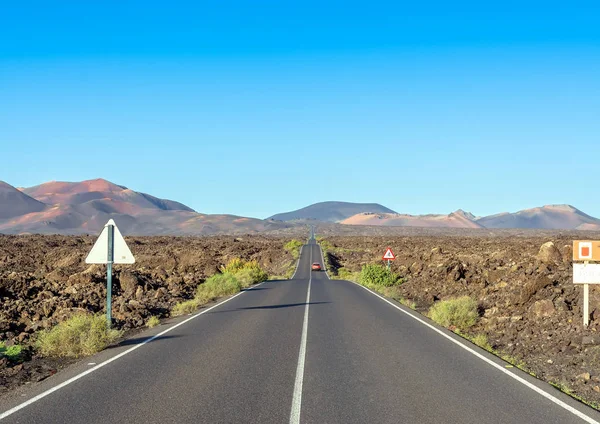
[
  {"x": 153, "y": 321},
  {"x": 80, "y": 335},
  {"x": 460, "y": 313},
  {"x": 237, "y": 275},
  {"x": 293, "y": 247},
  {"x": 12, "y": 353}
]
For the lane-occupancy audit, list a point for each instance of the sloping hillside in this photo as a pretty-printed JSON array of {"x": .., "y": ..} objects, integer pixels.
[
  {"x": 14, "y": 203},
  {"x": 331, "y": 211},
  {"x": 85, "y": 207},
  {"x": 560, "y": 217},
  {"x": 458, "y": 219}
]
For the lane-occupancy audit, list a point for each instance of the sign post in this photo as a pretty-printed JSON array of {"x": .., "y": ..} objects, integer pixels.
[
  {"x": 109, "y": 249},
  {"x": 389, "y": 256},
  {"x": 586, "y": 273}
]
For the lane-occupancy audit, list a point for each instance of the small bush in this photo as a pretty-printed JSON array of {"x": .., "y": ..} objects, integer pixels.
[
  {"x": 153, "y": 321},
  {"x": 408, "y": 303},
  {"x": 481, "y": 340},
  {"x": 12, "y": 353},
  {"x": 186, "y": 307},
  {"x": 293, "y": 247},
  {"x": 233, "y": 266},
  {"x": 345, "y": 274},
  {"x": 250, "y": 276},
  {"x": 216, "y": 286},
  {"x": 80, "y": 335},
  {"x": 460, "y": 312},
  {"x": 246, "y": 272},
  {"x": 377, "y": 276}
]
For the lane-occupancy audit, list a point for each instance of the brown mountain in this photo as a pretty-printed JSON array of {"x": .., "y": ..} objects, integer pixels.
[
  {"x": 550, "y": 217},
  {"x": 458, "y": 219},
  {"x": 14, "y": 203},
  {"x": 65, "y": 193},
  {"x": 331, "y": 211},
  {"x": 557, "y": 217},
  {"x": 85, "y": 207}
]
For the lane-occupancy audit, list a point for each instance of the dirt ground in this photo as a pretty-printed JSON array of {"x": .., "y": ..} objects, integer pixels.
[
  {"x": 44, "y": 279},
  {"x": 529, "y": 307}
]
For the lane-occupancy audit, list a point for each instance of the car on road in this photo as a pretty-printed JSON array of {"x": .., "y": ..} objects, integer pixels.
[{"x": 316, "y": 266}]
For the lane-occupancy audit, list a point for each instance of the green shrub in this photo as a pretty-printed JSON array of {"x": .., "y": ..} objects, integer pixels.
[
  {"x": 460, "y": 312},
  {"x": 293, "y": 247},
  {"x": 80, "y": 335},
  {"x": 250, "y": 276},
  {"x": 153, "y": 321},
  {"x": 345, "y": 274},
  {"x": 233, "y": 266},
  {"x": 216, "y": 286},
  {"x": 246, "y": 272},
  {"x": 185, "y": 307},
  {"x": 376, "y": 276},
  {"x": 13, "y": 353},
  {"x": 481, "y": 340}
]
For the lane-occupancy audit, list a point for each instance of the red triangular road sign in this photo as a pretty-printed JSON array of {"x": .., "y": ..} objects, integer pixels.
[{"x": 389, "y": 255}]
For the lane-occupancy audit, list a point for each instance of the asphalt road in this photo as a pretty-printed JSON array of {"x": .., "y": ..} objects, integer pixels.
[{"x": 269, "y": 356}]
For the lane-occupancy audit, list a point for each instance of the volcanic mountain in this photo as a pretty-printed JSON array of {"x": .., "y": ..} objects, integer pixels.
[
  {"x": 550, "y": 217},
  {"x": 458, "y": 219},
  {"x": 331, "y": 211},
  {"x": 14, "y": 203},
  {"x": 559, "y": 217},
  {"x": 85, "y": 207}
]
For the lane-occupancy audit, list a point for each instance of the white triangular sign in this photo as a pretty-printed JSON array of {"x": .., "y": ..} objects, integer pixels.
[
  {"x": 121, "y": 252},
  {"x": 389, "y": 254}
]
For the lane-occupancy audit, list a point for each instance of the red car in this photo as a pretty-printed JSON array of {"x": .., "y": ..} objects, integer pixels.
[{"x": 316, "y": 266}]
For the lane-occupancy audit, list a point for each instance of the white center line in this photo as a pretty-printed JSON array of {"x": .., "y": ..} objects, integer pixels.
[{"x": 297, "y": 398}]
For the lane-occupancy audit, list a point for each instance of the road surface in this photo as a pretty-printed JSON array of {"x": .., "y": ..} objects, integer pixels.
[{"x": 305, "y": 350}]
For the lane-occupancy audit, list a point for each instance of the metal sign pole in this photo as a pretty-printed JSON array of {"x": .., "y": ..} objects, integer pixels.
[
  {"x": 109, "y": 264},
  {"x": 586, "y": 303}
]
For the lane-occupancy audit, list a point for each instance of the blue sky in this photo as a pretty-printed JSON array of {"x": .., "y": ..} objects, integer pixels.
[{"x": 259, "y": 107}]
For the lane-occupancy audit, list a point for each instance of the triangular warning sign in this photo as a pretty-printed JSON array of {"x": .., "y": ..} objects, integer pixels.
[
  {"x": 121, "y": 252},
  {"x": 389, "y": 255}
]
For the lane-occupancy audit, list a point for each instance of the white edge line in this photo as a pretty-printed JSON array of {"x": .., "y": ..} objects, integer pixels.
[
  {"x": 114, "y": 358},
  {"x": 489, "y": 361},
  {"x": 298, "y": 264},
  {"x": 297, "y": 396},
  {"x": 323, "y": 258}
]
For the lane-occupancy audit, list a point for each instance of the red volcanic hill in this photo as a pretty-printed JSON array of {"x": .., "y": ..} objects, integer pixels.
[
  {"x": 85, "y": 207},
  {"x": 550, "y": 217},
  {"x": 64, "y": 193},
  {"x": 458, "y": 219}
]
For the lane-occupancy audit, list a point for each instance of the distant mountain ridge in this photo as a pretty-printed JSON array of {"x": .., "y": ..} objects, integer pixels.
[
  {"x": 458, "y": 219},
  {"x": 331, "y": 211},
  {"x": 85, "y": 207},
  {"x": 549, "y": 217},
  {"x": 554, "y": 217}
]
